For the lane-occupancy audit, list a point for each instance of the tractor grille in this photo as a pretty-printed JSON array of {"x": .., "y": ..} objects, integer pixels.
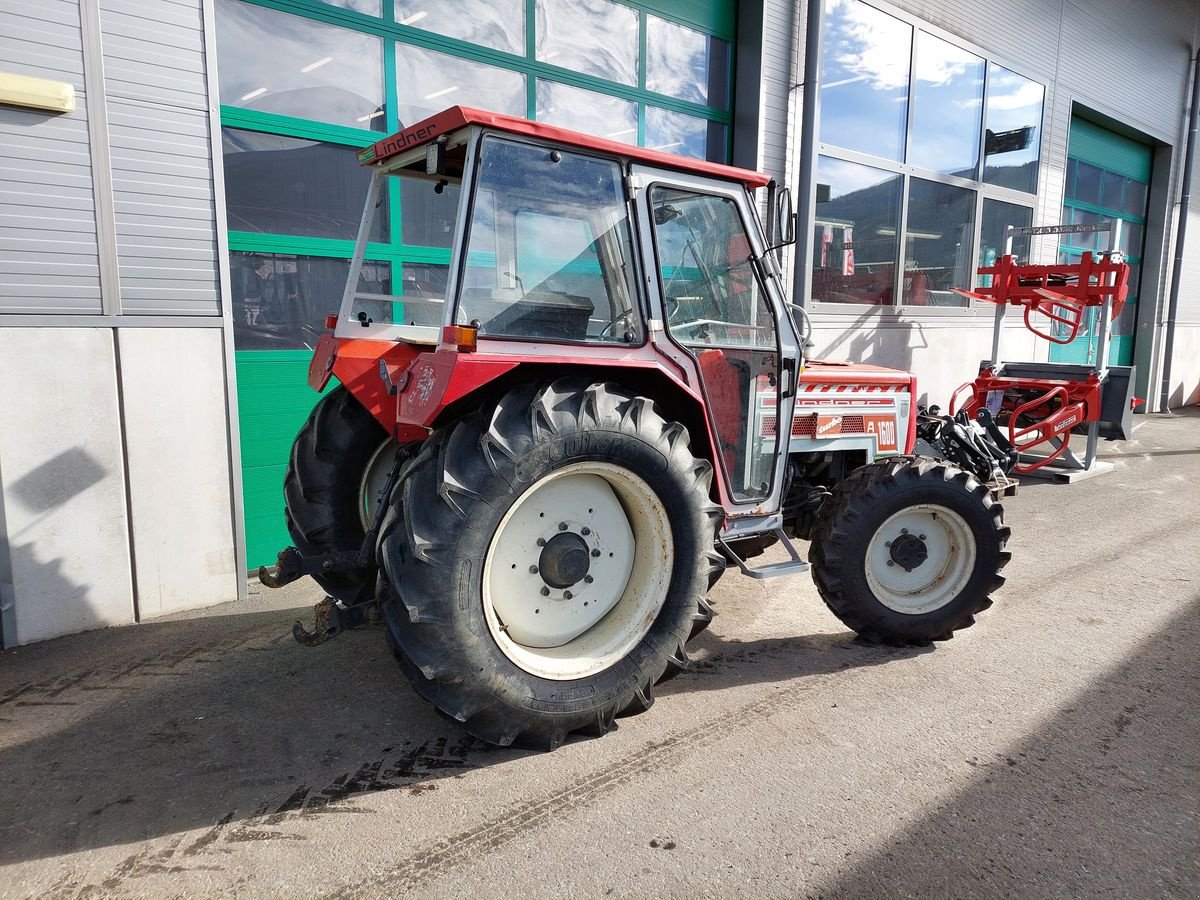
[{"x": 806, "y": 426}]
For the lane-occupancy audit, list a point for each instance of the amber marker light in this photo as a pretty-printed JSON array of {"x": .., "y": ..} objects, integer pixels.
[{"x": 464, "y": 337}]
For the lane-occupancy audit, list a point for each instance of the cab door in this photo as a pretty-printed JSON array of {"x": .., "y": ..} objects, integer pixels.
[{"x": 718, "y": 299}]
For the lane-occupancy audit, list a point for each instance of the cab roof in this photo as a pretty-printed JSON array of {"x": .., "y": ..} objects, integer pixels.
[{"x": 456, "y": 117}]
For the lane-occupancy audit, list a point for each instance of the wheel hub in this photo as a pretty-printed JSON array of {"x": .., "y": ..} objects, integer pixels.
[
  {"x": 564, "y": 560},
  {"x": 909, "y": 551}
]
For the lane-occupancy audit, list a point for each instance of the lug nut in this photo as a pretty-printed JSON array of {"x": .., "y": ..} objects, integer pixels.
[
  {"x": 887, "y": 543},
  {"x": 585, "y": 531},
  {"x": 546, "y": 590},
  {"x": 567, "y": 595},
  {"x": 890, "y": 563},
  {"x": 904, "y": 531},
  {"x": 562, "y": 526},
  {"x": 588, "y": 578},
  {"x": 541, "y": 542},
  {"x": 921, "y": 536},
  {"x": 595, "y": 553},
  {"x": 533, "y": 570}
]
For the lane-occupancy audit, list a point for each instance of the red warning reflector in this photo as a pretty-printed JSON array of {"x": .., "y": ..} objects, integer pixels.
[{"x": 331, "y": 321}]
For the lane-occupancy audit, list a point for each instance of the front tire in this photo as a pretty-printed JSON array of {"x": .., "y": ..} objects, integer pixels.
[
  {"x": 907, "y": 551},
  {"x": 547, "y": 560}
]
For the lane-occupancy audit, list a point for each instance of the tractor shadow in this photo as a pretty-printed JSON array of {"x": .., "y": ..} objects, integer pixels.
[{"x": 223, "y": 728}]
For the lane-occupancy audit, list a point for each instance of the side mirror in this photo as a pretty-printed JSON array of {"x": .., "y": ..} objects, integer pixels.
[{"x": 785, "y": 218}]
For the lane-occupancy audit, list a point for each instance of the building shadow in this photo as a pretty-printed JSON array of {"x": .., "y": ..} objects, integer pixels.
[
  {"x": 224, "y": 724},
  {"x": 1102, "y": 799}
]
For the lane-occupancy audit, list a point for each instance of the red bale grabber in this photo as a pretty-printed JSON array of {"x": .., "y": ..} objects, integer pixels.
[{"x": 1044, "y": 403}]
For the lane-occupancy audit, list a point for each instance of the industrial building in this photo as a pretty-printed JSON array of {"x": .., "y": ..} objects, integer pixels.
[{"x": 179, "y": 196}]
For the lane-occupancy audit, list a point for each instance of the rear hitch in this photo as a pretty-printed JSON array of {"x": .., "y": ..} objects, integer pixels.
[
  {"x": 331, "y": 618},
  {"x": 291, "y": 565}
]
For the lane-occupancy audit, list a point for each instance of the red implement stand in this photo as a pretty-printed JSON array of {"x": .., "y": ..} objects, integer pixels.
[{"x": 1042, "y": 404}]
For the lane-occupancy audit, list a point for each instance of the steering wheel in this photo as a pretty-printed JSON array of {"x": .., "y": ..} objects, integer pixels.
[{"x": 623, "y": 316}]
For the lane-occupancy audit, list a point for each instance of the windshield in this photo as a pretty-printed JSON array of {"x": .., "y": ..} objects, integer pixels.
[{"x": 549, "y": 252}]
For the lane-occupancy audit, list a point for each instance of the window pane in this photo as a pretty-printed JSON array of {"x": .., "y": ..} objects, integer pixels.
[
  {"x": 997, "y": 217},
  {"x": 284, "y": 185},
  {"x": 587, "y": 111},
  {"x": 684, "y": 135},
  {"x": 1112, "y": 191},
  {"x": 369, "y": 7},
  {"x": 947, "y": 108},
  {"x": 1014, "y": 130},
  {"x": 422, "y": 293},
  {"x": 430, "y": 82},
  {"x": 332, "y": 74},
  {"x": 492, "y": 23},
  {"x": 427, "y": 217},
  {"x": 864, "y": 79},
  {"x": 686, "y": 64},
  {"x": 280, "y": 301},
  {"x": 549, "y": 252},
  {"x": 1135, "y": 197},
  {"x": 854, "y": 239},
  {"x": 938, "y": 243},
  {"x": 594, "y": 37},
  {"x": 1087, "y": 184}
]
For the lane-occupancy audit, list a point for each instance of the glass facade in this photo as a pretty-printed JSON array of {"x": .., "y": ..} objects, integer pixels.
[
  {"x": 926, "y": 150},
  {"x": 304, "y": 83}
]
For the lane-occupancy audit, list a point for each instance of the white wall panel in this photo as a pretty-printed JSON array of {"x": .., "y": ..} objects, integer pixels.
[
  {"x": 62, "y": 484},
  {"x": 175, "y": 427}
]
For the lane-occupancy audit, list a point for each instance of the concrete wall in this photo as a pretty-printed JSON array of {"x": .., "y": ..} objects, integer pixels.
[
  {"x": 179, "y": 477},
  {"x": 116, "y": 481},
  {"x": 64, "y": 560}
]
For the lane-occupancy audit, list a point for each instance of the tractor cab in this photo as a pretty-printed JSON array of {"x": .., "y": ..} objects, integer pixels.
[{"x": 568, "y": 247}]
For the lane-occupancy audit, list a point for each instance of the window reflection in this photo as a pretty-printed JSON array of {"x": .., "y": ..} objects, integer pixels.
[
  {"x": 947, "y": 108},
  {"x": 594, "y": 37},
  {"x": 684, "y": 135},
  {"x": 427, "y": 217},
  {"x": 1013, "y": 139},
  {"x": 938, "y": 247},
  {"x": 280, "y": 300},
  {"x": 429, "y": 82},
  {"x": 997, "y": 216},
  {"x": 854, "y": 238},
  {"x": 686, "y": 64},
  {"x": 493, "y": 23},
  {"x": 864, "y": 79},
  {"x": 423, "y": 293},
  {"x": 587, "y": 111},
  {"x": 284, "y": 185},
  {"x": 278, "y": 63},
  {"x": 549, "y": 247},
  {"x": 368, "y": 7}
]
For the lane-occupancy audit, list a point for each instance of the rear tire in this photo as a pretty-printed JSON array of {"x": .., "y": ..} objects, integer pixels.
[
  {"x": 324, "y": 488},
  {"x": 468, "y": 581},
  {"x": 907, "y": 550}
]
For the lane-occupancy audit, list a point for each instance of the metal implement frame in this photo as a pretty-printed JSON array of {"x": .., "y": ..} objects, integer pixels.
[{"x": 1071, "y": 467}]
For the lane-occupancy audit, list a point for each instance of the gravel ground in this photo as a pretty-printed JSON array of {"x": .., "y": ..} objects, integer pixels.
[{"x": 1051, "y": 750}]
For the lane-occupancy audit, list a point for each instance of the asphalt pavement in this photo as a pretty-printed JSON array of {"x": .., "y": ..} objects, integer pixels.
[{"x": 1052, "y": 750}]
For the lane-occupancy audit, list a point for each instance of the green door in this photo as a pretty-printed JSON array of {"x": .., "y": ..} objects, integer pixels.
[{"x": 1108, "y": 177}]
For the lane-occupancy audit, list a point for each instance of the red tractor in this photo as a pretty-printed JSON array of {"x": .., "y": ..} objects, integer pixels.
[{"x": 535, "y": 470}]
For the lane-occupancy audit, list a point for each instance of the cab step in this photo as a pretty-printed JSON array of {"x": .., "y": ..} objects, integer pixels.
[{"x": 793, "y": 566}]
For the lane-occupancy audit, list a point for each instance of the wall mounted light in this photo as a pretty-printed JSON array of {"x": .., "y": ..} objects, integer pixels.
[{"x": 36, "y": 93}]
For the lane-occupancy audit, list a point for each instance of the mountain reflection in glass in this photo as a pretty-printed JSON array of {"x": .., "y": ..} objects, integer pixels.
[
  {"x": 854, "y": 236},
  {"x": 864, "y": 79}
]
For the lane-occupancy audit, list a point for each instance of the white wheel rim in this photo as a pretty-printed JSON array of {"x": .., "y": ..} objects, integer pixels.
[
  {"x": 565, "y": 631},
  {"x": 375, "y": 477},
  {"x": 939, "y": 542}
]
